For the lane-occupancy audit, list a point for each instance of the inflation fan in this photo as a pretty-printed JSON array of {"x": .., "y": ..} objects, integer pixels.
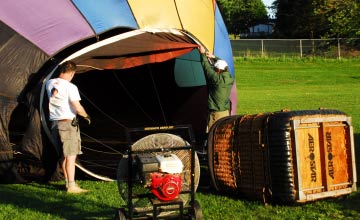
[{"x": 158, "y": 177}]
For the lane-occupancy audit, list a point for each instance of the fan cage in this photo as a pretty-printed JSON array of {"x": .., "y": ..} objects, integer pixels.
[{"x": 155, "y": 144}]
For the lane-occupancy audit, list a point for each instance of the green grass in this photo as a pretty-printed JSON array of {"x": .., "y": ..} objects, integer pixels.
[
  {"x": 267, "y": 85},
  {"x": 264, "y": 85},
  {"x": 50, "y": 201}
]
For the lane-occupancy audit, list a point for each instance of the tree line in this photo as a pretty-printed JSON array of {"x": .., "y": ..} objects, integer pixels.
[{"x": 295, "y": 18}]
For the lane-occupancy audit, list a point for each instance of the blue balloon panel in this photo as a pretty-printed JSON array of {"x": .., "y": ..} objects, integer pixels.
[
  {"x": 222, "y": 46},
  {"x": 106, "y": 14}
]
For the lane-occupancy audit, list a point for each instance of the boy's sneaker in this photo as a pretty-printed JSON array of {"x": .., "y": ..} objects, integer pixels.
[{"x": 76, "y": 189}]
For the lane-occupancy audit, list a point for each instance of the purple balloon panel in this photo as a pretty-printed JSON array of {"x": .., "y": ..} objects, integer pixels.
[{"x": 50, "y": 25}]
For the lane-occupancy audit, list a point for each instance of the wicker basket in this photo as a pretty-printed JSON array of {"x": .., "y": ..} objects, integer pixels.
[{"x": 294, "y": 156}]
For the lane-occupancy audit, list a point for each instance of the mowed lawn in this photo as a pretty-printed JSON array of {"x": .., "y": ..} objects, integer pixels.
[{"x": 263, "y": 85}]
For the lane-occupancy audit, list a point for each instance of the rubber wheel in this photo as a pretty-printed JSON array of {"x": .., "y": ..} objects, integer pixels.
[
  {"x": 197, "y": 211},
  {"x": 120, "y": 214}
]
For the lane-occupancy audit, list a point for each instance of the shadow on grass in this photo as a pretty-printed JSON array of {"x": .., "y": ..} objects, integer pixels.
[{"x": 52, "y": 201}]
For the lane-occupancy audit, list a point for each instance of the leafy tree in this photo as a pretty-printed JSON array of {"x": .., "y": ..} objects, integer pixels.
[
  {"x": 239, "y": 15},
  {"x": 297, "y": 19},
  {"x": 342, "y": 17},
  {"x": 317, "y": 18}
]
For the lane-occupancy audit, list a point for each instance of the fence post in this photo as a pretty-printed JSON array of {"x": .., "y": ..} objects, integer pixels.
[
  {"x": 262, "y": 48},
  {"x": 301, "y": 51},
  {"x": 339, "y": 55}
]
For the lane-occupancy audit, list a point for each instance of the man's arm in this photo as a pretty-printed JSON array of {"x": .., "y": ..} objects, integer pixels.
[
  {"x": 80, "y": 110},
  {"x": 211, "y": 75}
]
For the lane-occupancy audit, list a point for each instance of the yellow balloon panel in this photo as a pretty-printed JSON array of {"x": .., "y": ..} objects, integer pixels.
[
  {"x": 155, "y": 13},
  {"x": 198, "y": 18}
]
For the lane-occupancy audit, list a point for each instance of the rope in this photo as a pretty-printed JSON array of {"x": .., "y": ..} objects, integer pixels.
[
  {"x": 132, "y": 98},
  {"x": 117, "y": 122},
  {"x": 90, "y": 149},
  {"x": 100, "y": 165},
  {"x": 99, "y": 109},
  {"x": 157, "y": 96},
  {"x": 7, "y": 152},
  {"x": 93, "y": 174},
  {"x": 92, "y": 67},
  {"x": 105, "y": 145}
]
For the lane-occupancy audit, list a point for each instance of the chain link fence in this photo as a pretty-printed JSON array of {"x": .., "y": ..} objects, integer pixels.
[{"x": 327, "y": 48}]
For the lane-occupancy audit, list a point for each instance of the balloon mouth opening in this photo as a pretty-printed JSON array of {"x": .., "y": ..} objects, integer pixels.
[
  {"x": 149, "y": 95},
  {"x": 143, "y": 96}
]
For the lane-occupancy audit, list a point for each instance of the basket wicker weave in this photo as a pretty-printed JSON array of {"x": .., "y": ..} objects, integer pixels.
[
  {"x": 237, "y": 155},
  {"x": 286, "y": 157}
]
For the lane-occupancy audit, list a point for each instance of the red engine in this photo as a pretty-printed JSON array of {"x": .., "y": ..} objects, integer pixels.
[
  {"x": 161, "y": 174},
  {"x": 164, "y": 186}
]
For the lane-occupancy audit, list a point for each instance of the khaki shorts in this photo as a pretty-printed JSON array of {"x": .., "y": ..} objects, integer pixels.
[
  {"x": 214, "y": 116},
  {"x": 67, "y": 138}
]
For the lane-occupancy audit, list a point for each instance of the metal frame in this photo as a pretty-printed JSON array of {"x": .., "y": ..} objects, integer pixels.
[{"x": 155, "y": 202}]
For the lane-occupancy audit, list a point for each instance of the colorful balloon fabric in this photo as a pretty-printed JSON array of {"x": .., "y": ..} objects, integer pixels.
[{"x": 37, "y": 35}]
